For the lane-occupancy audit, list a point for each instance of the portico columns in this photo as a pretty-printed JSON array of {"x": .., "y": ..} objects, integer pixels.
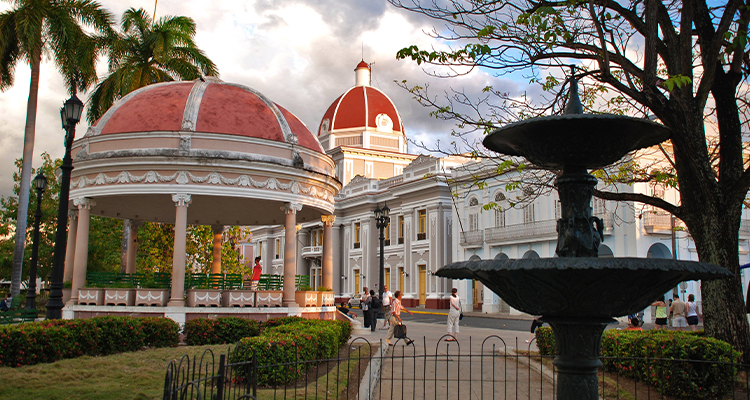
[
  {"x": 182, "y": 201},
  {"x": 80, "y": 259},
  {"x": 132, "y": 249},
  {"x": 71, "y": 246},
  {"x": 328, "y": 250},
  {"x": 216, "y": 264},
  {"x": 290, "y": 253}
]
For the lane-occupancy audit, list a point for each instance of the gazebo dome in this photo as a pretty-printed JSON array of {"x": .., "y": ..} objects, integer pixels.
[{"x": 237, "y": 155}]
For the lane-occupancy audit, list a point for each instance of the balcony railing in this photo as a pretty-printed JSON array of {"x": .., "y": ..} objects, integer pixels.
[
  {"x": 312, "y": 251},
  {"x": 655, "y": 222},
  {"x": 472, "y": 238},
  {"x": 522, "y": 231}
]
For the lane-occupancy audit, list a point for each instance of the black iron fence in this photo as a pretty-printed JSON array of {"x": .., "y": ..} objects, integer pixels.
[{"x": 470, "y": 369}]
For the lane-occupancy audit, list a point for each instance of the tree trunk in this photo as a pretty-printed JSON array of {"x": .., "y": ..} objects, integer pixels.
[{"x": 23, "y": 195}]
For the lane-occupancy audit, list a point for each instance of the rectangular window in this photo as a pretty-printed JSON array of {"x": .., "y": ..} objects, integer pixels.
[
  {"x": 422, "y": 232},
  {"x": 499, "y": 218},
  {"x": 278, "y": 248},
  {"x": 528, "y": 214},
  {"x": 400, "y": 229},
  {"x": 388, "y": 233},
  {"x": 473, "y": 222},
  {"x": 558, "y": 209},
  {"x": 356, "y": 235}
]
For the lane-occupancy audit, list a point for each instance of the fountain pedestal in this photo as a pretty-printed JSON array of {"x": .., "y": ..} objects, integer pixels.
[{"x": 578, "y": 343}]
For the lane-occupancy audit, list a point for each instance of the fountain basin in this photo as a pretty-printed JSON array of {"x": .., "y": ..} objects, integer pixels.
[
  {"x": 581, "y": 287},
  {"x": 584, "y": 140}
]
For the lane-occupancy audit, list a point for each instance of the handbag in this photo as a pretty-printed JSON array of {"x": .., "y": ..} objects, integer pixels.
[
  {"x": 460, "y": 316},
  {"x": 399, "y": 331}
]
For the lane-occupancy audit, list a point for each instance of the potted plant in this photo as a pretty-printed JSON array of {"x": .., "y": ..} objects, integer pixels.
[
  {"x": 326, "y": 296},
  {"x": 92, "y": 295},
  {"x": 119, "y": 294},
  {"x": 203, "y": 296},
  {"x": 306, "y": 297},
  {"x": 151, "y": 293}
]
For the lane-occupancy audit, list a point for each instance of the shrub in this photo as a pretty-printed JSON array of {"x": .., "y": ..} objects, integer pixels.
[
  {"x": 545, "y": 341},
  {"x": 160, "y": 332},
  {"x": 119, "y": 334},
  {"x": 203, "y": 331},
  {"x": 687, "y": 376},
  {"x": 291, "y": 340}
]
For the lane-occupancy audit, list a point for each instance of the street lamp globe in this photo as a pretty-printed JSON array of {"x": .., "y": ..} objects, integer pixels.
[
  {"x": 386, "y": 211},
  {"x": 378, "y": 213},
  {"x": 40, "y": 182},
  {"x": 72, "y": 110}
]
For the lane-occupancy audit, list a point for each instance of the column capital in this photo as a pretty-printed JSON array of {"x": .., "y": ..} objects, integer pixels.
[
  {"x": 182, "y": 199},
  {"x": 291, "y": 208},
  {"x": 84, "y": 203},
  {"x": 73, "y": 215},
  {"x": 328, "y": 220},
  {"x": 217, "y": 229}
]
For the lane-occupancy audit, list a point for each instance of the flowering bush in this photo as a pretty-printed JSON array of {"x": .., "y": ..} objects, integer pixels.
[
  {"x": 48, "y": 341},
  {"x": 160, "y": 332},
  {"x": 202, "y": 331},
  {"x": 545, "y": 341}
]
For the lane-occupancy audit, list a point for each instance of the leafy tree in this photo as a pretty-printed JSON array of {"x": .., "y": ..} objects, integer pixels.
[
  {"x": 47, "y": 226},
  {"x": 155, "y": 247},
  {"x": 105, "y": 243},
  {"x": 685, "y": 62},
  {"x": 145, "y": 53},
  {"x": 32, "y": 28}
]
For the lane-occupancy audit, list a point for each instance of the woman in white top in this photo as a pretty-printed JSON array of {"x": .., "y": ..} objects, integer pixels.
[
  {"x": 453, "y": 314},
  {"x": 692, "y": 312}
]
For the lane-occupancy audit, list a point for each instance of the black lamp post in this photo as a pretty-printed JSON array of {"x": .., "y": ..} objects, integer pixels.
[
  {"x": 70, "y": 114},
  {"x": 381, "y": 221},
  {"x": 40, "y": 182}
]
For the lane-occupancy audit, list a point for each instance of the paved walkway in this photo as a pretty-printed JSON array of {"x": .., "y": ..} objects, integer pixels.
[{"x": 482, "y": 364}]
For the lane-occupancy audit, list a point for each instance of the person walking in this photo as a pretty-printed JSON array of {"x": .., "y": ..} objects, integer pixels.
[
  {"x": 679, "y": 322},
  {"x": 396, "y": 309},
  {"x": 375, "y": 305},
  {"x": 692, "y": 312},
  {"x": 387, "y": 298},
  {"x": 364, "y": 304},
  {"x": 257, "y": 270},
  {"x": 453, "y": 315},
  {"x": 535, "y": 324},
  {"x": 661, "y": 314}
]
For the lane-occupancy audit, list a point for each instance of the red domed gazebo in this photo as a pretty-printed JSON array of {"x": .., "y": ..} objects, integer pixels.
[{"x": 204, "y": 152}]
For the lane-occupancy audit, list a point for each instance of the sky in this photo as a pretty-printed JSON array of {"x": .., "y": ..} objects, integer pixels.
[{"x": 299, "y": 53}]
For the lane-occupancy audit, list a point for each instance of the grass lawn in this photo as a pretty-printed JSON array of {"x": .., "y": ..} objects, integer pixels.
[{"x": 138, "y": 375}]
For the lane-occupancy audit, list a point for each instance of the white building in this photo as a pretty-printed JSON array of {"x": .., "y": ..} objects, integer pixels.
[{"x": 363, "y": 133}]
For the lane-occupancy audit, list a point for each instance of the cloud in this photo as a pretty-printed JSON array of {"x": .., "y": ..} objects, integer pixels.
[{"x": 300, "y": 54}]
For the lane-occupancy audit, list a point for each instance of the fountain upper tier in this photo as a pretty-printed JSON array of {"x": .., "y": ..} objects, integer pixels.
[{"x": 582, "y": 140}]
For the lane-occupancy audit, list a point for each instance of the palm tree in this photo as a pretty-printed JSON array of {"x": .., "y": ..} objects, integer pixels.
[
  {"x": 54, "y": 27},
  {"x": 148, "y": 52}
]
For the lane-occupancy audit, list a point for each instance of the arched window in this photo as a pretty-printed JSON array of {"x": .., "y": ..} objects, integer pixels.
[
  {"x": 530, "y": 254},
  {"x": 499, "y": 211},
  {"x": 658, "y": 250}
]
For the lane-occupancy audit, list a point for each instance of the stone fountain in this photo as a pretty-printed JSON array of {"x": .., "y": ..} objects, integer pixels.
[{"x": 577, "y": 293}]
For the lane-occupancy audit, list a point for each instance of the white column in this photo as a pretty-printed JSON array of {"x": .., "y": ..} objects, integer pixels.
[
  {"x": 132, "y": 250},
  {"x": 216, "y": 263},
  {"x": 84, "y": 205},
  {"x": 290, "y": 252},
  {"x": 328, "y": 250},
  {"x": 182, "y": 201},
  {"x": 70, "y": 254}
]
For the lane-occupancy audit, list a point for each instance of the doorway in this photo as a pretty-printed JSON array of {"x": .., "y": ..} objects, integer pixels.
[
  {"x": 356, "y": 282},
  {"x": 422, "y": 285},
  {"x": 401, "y": 279}
]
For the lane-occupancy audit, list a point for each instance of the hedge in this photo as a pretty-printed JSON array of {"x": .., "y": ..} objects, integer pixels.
[
  {"x": 690, "y": 366},
  {"x": 203, "y": 331},
  {"x": 48, "y": 341},
  {"x": 286, "y": 345},
  {"x": 680, "y": 364}
]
